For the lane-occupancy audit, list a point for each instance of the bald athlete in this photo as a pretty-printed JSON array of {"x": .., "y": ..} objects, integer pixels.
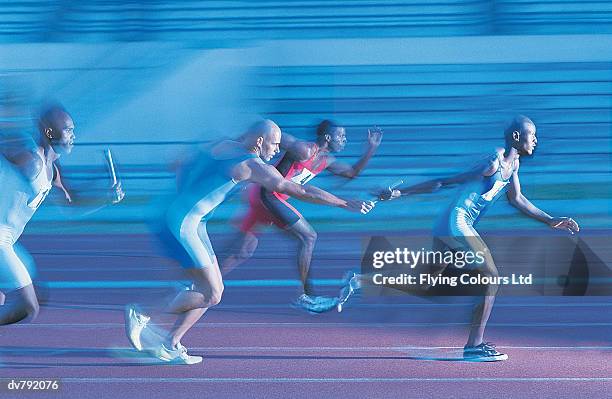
[
  {"x": 28, "y": 170},
  {"x": 208, "y": 183},
  {"x": 454, "y": 231}
]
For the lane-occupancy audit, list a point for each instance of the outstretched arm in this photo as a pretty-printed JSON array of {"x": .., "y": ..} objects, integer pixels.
[
  {"x": 351, "y": 171},
  {"x": 520, "y": 202},
  {"x": 484, "y": 168},
  {"x": 271, "y": 179}
]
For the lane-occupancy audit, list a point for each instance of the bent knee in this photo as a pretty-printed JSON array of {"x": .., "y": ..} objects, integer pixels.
[
  {"x": 215, "y": 296},
  {"x": 309, "y": 238},
  {"x": 212, "y": 295}
]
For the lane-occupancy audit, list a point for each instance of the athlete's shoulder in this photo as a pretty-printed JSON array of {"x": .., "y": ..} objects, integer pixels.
[
  {"x": 254, "y": 170},
  {"x": 517, "y": 163},
  {"x": 250, "y": 164},
  {"x": 328, "y": 158},
  {"x": 25, "y": 159},
  {"x": 302, "y": 150},
  {"x": 312, "y": 148},
  {"x": 499, "y": 154},
  {"x": 226, "y": 149},
  {"x": 255, "y": 161},
  {"x": 490, "y": 161}
]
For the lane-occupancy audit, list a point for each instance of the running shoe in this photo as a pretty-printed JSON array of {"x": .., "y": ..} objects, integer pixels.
[
  {"x": 484, "y": 352},
  {"x": 135, "y": 322},
  {"x": 315, "y": 304},
  {"x": 178, "y": 355}
]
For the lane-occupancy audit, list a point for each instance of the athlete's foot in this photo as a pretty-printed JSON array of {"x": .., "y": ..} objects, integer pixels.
[
  {"x": 135, "y": 323},
  {"x": 177, "y": 355},
  {"x": 315, "y": 304},
  {"x": 484, "y": 352},
  {"x": 352, "y": 284}
]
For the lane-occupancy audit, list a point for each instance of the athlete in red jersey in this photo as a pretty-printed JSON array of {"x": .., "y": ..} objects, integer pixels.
[{"x": 301, "y": 162}]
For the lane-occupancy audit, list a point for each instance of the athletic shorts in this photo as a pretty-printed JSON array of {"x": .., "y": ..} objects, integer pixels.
[
  {"x": 267, "y": 208},
  {"x": 190, "y": 246},
  {"x": 14, "y": 273},
  {"x": 455, "y": 232}
]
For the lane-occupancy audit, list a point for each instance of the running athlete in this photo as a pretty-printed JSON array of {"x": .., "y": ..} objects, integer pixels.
[
  {"x": 455, "y": 230},
  {"x": 28, "y": 170},
  {"x": 208, "y": 183},
  {"x": 301, "y": 162}
]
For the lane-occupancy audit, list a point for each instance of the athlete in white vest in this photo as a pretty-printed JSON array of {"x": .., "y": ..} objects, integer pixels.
[
  {"x": 26, "y": 176},
  {"x": 27, "y": 173}
]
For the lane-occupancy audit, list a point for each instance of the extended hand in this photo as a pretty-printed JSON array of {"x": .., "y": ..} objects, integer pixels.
[
  {"x": 117, "y": 193},
  {"x": 388, "y": 194},
  {"x": 375, "y": 136},
  {"x": 564, "y": 223},
  {"x": 362, "y": 207}
]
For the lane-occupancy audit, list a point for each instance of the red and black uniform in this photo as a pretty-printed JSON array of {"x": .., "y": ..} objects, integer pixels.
[{"x": 268, "y": 207}]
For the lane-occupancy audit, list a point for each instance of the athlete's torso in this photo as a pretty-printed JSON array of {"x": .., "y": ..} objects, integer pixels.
[
  {"x": 19, "y": 197},
  {"x": 476, "y": 197},
  {"x": 206, "y": 185},
  {"x": 301, "y": 172}
]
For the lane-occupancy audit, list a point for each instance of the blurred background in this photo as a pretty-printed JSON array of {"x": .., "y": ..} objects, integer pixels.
[{"x": 152, "y": 80}]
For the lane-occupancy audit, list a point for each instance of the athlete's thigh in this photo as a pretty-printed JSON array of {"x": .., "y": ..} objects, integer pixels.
[
  {"x": 276, "y": 210},
  {"x": 205, "y": 239},
  {"x": 197, "y": 246},
  {"x": 467, "y": 240},
  {"x": 13, "y": 273},
  {"x": 457, "y": 234}
]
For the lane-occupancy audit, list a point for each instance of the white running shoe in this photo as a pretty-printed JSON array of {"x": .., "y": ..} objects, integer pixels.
[
  {"x": 178, "y": 355},
  {"x": 353, "y": 284},
  {"x": 135, "y": 322}
]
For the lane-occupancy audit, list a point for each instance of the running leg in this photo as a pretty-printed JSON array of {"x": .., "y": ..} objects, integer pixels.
[{"x": 307, "y": 238}]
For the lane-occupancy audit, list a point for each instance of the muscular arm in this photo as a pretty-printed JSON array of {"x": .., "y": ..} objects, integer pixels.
[
  {"x": 343, "y": 169},
  {"x": 484, "y": 168},
  {"x": 520, "y": 202},
  {"x": 271, "y": 179},
  {"x": 351, "y": 171}
]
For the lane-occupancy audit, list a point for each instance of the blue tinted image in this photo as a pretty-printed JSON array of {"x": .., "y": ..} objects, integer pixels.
[{"x": 162, "y": 158}]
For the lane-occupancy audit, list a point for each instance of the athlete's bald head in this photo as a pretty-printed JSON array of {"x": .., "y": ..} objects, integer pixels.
[
  {"x": 56, "y": 126},
  {"x": 264, "y": 128},
  {"x": 521, "y": 134},
  {"x": 263, "y": 137}
]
